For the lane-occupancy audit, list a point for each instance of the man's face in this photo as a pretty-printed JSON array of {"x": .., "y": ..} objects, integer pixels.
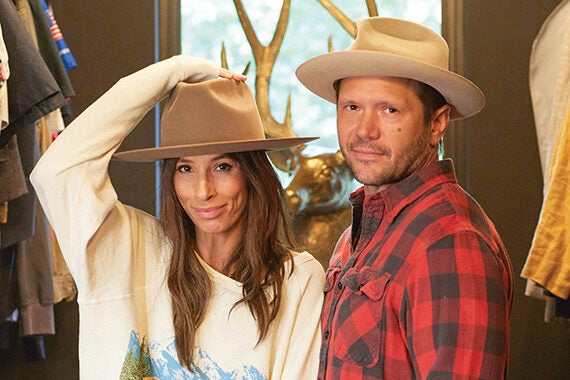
[{"x": 381, "y": 130}]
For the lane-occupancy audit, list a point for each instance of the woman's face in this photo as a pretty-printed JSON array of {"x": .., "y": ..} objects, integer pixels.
[{"x": 213, "y": 191}]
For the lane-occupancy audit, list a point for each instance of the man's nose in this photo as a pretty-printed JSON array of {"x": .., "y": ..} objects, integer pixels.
[{"x": 368, "y": 127}]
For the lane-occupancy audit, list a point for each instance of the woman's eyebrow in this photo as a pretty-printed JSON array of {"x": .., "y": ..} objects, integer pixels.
[{"x": 190, "y": 160}]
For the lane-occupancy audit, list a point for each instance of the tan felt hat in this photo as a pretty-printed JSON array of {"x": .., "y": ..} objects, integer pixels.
[
  {"x": 210, "y": 117},
  {"x": 396, "y": 48}
]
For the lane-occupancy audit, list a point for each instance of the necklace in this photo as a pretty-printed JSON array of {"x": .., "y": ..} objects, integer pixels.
[{"x": 231, "y": 274}]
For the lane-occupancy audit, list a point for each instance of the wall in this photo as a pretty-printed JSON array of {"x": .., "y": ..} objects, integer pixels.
[
  {"x": 495, "y": 152},
  {"x": 501, "y": 166},
  {"x": 111, "y": 39}
]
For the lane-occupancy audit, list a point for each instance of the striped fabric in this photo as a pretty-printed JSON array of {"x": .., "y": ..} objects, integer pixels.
[
  {"x": 421, "y": 287},
  {"x": 65, "y": 54}
]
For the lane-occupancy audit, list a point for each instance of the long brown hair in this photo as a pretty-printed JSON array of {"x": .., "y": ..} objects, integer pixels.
[{"x": 258, "y": 259}]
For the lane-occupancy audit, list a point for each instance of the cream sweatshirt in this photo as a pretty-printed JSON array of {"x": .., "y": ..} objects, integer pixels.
[{"x": 119, "y": 257}]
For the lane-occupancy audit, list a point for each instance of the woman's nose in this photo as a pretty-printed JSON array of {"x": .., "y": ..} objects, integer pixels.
[{"x": 206, "y": 187}]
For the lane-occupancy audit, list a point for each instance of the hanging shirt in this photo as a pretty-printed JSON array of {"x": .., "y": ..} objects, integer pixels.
[
  {"x": 4, "y": 75},
  {"x": 548, "y": 261}
]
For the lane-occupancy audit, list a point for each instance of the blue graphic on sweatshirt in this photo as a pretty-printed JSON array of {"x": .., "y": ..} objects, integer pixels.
[{"x": 153, "y": 359}]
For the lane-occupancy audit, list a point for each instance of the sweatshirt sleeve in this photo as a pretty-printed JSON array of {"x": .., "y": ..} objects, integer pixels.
[{"x": 71, "y": 179}]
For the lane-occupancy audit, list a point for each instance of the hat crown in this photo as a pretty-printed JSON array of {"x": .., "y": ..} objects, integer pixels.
[
  {"x": 394, "y": 48},
  {"x": 216, "y": 116},
  {"x": 402, "y": 38},
  {"x": 213, "y": 111}
]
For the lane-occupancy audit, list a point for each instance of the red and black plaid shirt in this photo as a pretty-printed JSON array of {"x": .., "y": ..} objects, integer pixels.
[{"x": 419, "y": 287}]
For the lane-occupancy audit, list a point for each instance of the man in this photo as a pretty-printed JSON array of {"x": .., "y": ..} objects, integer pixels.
[{"x": 420, "y": 285}]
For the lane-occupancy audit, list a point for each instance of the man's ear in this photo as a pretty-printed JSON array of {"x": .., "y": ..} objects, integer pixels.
[{"x": 439, "y": 123}]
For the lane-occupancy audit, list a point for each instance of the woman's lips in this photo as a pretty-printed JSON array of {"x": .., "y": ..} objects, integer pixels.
[{"x": 209, "y": 212}]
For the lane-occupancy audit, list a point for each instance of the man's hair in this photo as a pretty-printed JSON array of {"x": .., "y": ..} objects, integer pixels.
[
  {"x": 431, "y": 99},
  {"x": 258, "y": 259}
]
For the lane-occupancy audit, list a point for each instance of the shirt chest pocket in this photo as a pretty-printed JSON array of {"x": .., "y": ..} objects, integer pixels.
[{"x": 361, "y": 316}]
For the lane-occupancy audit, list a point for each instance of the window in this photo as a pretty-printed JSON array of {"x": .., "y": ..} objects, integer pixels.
[{"x": 205, "y": 25}]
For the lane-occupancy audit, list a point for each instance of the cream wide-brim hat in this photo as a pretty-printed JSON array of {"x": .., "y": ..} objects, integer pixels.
[
  {"x": 395, "y": 48},
  {"x": 212, "y": 117}
]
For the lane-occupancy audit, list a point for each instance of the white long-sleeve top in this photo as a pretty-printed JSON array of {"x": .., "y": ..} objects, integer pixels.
[{"x": 119, "y": 258}]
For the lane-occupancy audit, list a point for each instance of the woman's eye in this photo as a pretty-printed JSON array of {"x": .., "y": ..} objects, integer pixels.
[
  {"x": 183, "y": 168},
  {"x": 224, "y": 167}
]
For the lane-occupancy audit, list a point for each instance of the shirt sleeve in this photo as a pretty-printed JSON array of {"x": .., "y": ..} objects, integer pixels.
[
  {"x": 71, "y": 179},
  {"x": 458, "y": 310}
]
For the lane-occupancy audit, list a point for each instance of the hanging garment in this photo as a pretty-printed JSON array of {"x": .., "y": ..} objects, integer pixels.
[
  {"x": 548, "y": 263},
  {"x": 21, "y": 218},
  {"x": 64, "y": 52},
  {"x": 35, "y": 283},
  {"x": 32, "y": 267},
  {"x": 12, "y": 178},
  {"x": 32, "y": 94},
  {"x": 63, "y": 284},
  {"x": 35, "y": 21},
  {"x": 32, "y": 91},
  {"x": 49, "y": 49},
  {"x": 4, "y": 75},
  {"x": 8, "y": 303}
]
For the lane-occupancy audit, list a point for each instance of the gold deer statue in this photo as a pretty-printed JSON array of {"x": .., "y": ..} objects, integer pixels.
[{"x": 317, "y": 198}]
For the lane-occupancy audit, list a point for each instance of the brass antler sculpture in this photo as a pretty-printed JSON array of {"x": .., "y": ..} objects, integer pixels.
[
  {"x": 317, "y": 196},
  {"x": 265, "y": 57}
]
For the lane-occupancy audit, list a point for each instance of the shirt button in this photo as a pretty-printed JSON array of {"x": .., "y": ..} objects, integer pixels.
[
  {"x": 339, "y": 285},
  {"x": 326, "y": 335}
]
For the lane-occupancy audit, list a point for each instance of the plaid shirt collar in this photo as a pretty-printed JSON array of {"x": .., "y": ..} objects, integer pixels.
[
  {"x": 390, "y": 201},
  {"x": 409, "y": 189}
]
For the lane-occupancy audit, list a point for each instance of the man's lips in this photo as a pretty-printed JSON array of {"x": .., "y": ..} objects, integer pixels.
[
  {"x": 363, "y": 149},
  {"x": 366, "y": 153}
]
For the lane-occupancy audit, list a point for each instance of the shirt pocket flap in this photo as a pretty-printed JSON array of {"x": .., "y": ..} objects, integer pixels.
[{"x": 371, "y": 282}]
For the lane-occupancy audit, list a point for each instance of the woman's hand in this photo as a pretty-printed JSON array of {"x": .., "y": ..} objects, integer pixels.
[
  {"x": 225, "y": 73},
  {"x": 196, "y": 69}
]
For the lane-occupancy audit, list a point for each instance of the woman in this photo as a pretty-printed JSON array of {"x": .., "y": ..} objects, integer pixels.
[{"x": 212, "y": 290}]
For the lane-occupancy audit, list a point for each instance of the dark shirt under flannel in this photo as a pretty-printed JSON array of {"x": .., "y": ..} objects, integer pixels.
[{"x": 420, "y": 286}]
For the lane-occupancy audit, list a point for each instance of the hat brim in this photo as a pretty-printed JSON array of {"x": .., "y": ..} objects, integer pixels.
[
  {"x": 319, "y": 73},
  {"x": 159, "y": 153}
]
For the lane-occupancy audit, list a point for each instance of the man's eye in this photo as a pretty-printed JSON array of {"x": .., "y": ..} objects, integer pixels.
[{"x": 390, "y": 110}]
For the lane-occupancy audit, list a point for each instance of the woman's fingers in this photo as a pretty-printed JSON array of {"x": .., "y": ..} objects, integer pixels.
[{"x": 224, "y": 73}]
